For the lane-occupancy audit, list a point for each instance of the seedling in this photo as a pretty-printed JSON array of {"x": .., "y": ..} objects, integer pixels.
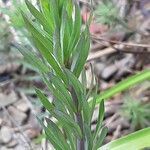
[{"x": 62, "y": 48}]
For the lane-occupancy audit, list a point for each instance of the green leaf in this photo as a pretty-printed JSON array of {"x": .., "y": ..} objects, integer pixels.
[
  {"x": 57, "y": 47},
  {"x": 69, "y": 8},
  {"x": 50, "y": 59},
  {"x": 123, "y": 85},
  {"x": 37, "y": 32},
  {"x": 49, "y": 106},
  {"x": 57, "y": 133},
  {"x": 65, "y": 31},
  {"x": 99, "y": 121},
  {"x": 100, "y": 115},
  {"x": 76, "y": 30},
  {"x": 66, "y": 120},
  {"x": 89, "y": 138},
  {"x": 62, "y": 117},
  {"x": 59, "y": 96},
  {"x": 82, "y": 51},
  {"x": 71, "y": 139},
  {"x": 33, "y": 60},
  {"x": 86, "y": 112},
  {"x": 39, "y": 16},
  {"x": 100, "y": 138},
  {"x": 134, "y": 141},
  {"x": 45, "y": 9},
  {"x": 54, "y": 7},
  {"x": 51, "y": 137},
  {"x": 60, "y": 86},
  {"x": 76, "y": 87}
]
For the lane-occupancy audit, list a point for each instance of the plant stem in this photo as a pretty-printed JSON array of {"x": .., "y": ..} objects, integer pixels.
[{"x": 80, "y": 142}]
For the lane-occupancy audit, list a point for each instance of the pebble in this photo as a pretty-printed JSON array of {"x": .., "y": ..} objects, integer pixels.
[
  {"x": 6, "y": 100},
  {"x": 22, "y": 106},
  {"x": 12, "y": 144},
  {"x": 18, "y": 116},
  {"x": 5, "y": 148},
  {"x": 20, "y": 147},
  {"x": 109, "y": 72},
  {"x": 32, "y": 133},
  {"x": 5, "y": 134}
]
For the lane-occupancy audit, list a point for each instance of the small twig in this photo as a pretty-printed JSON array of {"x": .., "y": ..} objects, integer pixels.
[
  {"x": 123, "y": 43},
  {"x": 116, "y": 134},
  {"x": 101, "y": 53},
  {"x": 113, "y": 49},
  {"x": 111, "y": 119}
]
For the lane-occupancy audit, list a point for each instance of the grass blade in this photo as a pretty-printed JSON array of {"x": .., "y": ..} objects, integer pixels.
[
  {"x": 100, "y": 138},
  {"x": 58, "y": 134},
  {"x": 49, "y": 106},
  {"x": 31, "y": 58},
  {"x": 82, "y": 51},
  {"x": 50, "y": 59},
  {"x": 134, "y": 141},
  {"x": 39, "y": 16},
  {"x": 51, "y": 136},
  {"x": 37, "y": 32},
  {"x": 123, "y": 85}
]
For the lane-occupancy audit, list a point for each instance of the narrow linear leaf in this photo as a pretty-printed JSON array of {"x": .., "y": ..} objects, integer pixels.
[
  {"x": 133, "y": 141},
  {"x": 58, "y": 134},
  {"x": 89, "y": 137},
  {"x": 99, "y": 121},
  {"x": 59, "y": 99},
  {"x": 76, "y": 27},
  {"x": 54, "y": 6},
  {"x": 51, "y": 137},
  {"x": 33, "y": 60},
  {"x": 65, "y": 31},
  {"x": 101, "y": 138},
  {"x": 77, "y": 86},
  {"x": 45, "y": 9},
  {"x": 39, "y": 16},
  {"x": 37, "y": 32},
  {"x": 66, "y": 120},
  {"x": 49, "y": 106},
  {"x": 100, "y": 115},
  {"x": 123, "y": 85},
  {"x": 50, "y": 59},
  {"x": 57, "y": 47},
  {"x": 71, "y": 139},
  {"x": 83, "y": 51},
  {"x": 63, "y": 118},
  {"x": 60, "y": 86}
]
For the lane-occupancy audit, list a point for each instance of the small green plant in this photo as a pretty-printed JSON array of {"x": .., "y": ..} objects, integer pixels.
[
  {"x": 136, "y": 112},
  {"x": 62, "y": 49},
  {"x": 107, "y": 13}
]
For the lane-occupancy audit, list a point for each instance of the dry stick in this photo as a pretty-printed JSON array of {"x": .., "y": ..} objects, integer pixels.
[
  {"x": 20, "y": 129},
  {"x": 116, "y": 48},
  {"x": 123, "y": 43},
  {"x": 98, "y": 54},
  {"x": 116, "y": 133}
]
